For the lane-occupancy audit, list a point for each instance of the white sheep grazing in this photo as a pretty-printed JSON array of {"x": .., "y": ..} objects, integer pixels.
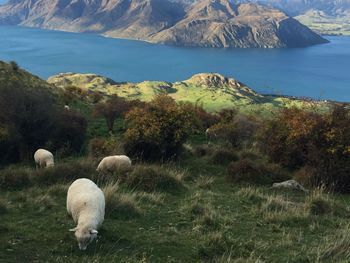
[
  {"x": 86, "y": 205},
  {"x": 120, "y": 163},
  {"x": 43, "y": 158}
]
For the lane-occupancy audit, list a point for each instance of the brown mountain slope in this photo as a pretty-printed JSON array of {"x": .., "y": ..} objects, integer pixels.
[
  {"x": 208, "y": 23},
  {"x": 222, "y": 24}
]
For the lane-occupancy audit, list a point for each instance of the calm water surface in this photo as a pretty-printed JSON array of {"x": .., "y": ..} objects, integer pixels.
[{"x": 321, "y": 72}]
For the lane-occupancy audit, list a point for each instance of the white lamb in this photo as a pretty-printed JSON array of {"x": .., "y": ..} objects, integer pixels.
[
  {"x": 120, "y": 163},
  {"x": 86, "y": 205},
  {"x": 43, "y": 158}
]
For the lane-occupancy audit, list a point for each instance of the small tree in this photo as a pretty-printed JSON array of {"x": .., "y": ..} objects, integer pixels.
[{"x": 111, "y": 109}]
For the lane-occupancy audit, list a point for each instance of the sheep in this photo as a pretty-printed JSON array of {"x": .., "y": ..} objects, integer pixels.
[
  {"x": 120, "y": 163},
  {"x": 43, "y": 158},
  {"x": 66, "y": 107},
  {"x": 86, "y": 205},
  {"x": 209, "y": 134}
]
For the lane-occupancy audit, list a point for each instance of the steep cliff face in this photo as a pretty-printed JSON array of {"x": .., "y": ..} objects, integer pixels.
[{"x": 207, "y": 23}]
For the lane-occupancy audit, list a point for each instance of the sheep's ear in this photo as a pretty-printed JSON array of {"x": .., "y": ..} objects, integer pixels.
[
  {"x": 73, "y": 229},
  {"x": 93, "y": 231}
]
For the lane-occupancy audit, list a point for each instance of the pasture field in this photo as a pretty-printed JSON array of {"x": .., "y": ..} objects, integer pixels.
[{"x": 203, "y": 218}]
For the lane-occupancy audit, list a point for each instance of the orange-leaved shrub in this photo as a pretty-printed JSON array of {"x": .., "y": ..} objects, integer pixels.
[
  {"x": 321, "y": 142},
  {"x": 159, "y": 129}
]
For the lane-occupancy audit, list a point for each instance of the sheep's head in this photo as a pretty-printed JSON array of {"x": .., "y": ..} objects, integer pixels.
[{"x": 84, "y": 236}]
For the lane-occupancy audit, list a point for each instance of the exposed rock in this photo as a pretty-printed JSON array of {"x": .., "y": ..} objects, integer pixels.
[
  {"x": 206, "y": 23},
  {"x": 290, "y": 184}
]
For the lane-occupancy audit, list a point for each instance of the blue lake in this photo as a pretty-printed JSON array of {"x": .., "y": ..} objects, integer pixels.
[{"x": 321, "y": 72}]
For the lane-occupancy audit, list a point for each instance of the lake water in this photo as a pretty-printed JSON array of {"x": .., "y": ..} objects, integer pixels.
[{"x": 321, "y": 72}]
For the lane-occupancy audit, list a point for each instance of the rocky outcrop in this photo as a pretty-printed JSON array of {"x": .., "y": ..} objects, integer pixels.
[
  {"x": 290, "y": 184},
  {"x": 206, "y": 23}
]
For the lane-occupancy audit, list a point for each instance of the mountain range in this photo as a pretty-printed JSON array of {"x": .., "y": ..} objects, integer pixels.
[
  {"x": 205, "y": 23},
  {"x": 331, "y": 17}
]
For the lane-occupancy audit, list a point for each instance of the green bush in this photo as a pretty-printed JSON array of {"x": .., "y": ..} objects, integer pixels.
[{"x": 154, "y": 178}]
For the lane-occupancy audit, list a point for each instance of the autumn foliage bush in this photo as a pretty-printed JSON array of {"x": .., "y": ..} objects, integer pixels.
[
  {"x": 321, "y": 142},
  {"x": 236, "y": 129},
  {"x": 159, "y": 129}
]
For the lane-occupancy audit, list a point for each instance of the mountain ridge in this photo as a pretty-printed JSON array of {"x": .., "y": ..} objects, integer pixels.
[
  {"x": 206, "y": 23},
  {"x": 211, "y": 90}
]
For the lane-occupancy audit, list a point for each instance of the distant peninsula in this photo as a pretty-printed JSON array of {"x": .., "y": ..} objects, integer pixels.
[{"x": 205, "y": 23}]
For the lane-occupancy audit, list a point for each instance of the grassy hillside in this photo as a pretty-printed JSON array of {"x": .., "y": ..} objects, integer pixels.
[
  {"x": 213, "y": 91},
  {"x": 195, "y": 208},
  {"x": 325, "y": 24},
  {"x": 206, "y": 219},
  {"x": 11, "y": 73}
]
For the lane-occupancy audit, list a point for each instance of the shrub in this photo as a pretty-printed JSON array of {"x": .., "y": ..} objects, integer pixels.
[
  {"x": 202, "y": 150},
  {"x": 112, "y": 109},
  {"x": 66, "y": 172},
  {"x": 31, "y": 118},
  {"x": 154, "y": 178},
  {"x": 99, "y": 147},
  {"x": 248, "y": 171},
  {"x": 287, "y": 138},
  {"x": 3, "y": 206},
  {"x": 14, "y": 65},
  {"x": 158, "y": 130},
  {"x": 15, "y": 178},
  {"x": 320, "y": 206},
  {"x": 298, "y": 138},
  {"x": 321, "y": 203},
  {"x": 26, "y": 117},
  {"x": 307, "y": 176},
  {"x": 223, "y": 156},
  {"x": 236, "y": 129},
  {"x": 70, "y": 131}
]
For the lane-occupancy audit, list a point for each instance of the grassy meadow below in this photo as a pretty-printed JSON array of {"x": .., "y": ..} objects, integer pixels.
[{"x": 187, "y": 212}]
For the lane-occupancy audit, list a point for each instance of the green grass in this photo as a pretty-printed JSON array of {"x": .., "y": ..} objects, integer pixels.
[
  {"x": 220, "y": 94},
  {"x": 325, "y": 24},
  {"x": 208, "y": 220}
]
